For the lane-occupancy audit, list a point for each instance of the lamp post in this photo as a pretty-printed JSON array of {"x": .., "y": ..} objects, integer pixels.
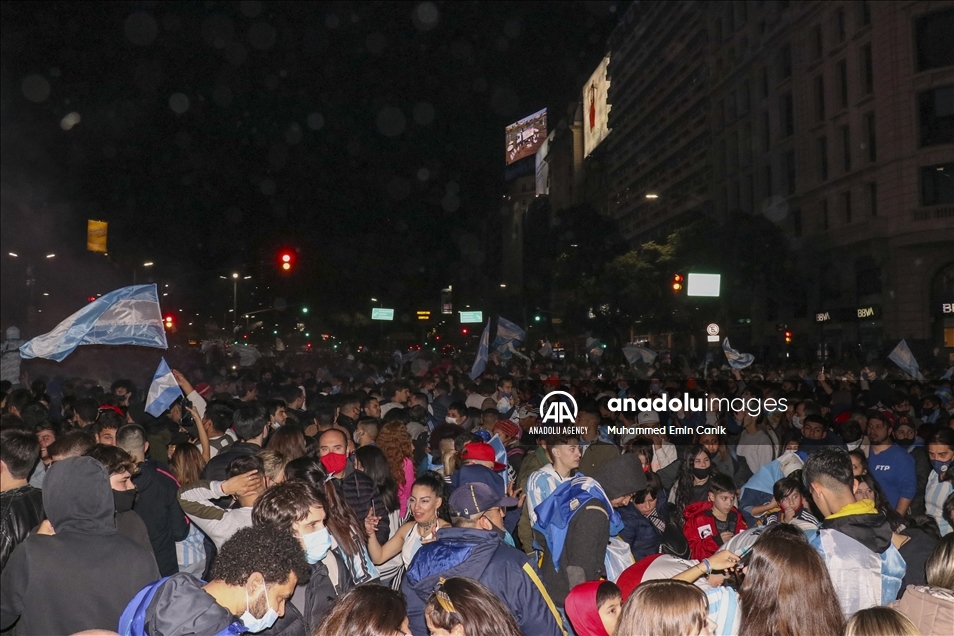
[{"x": 136, "y": 269}]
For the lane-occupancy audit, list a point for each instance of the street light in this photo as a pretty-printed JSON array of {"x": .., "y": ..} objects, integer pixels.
[
  {"x": 50, "y": 255},
  {"x": 136, "y": 269},
  {"x": 14, "y": 254}
]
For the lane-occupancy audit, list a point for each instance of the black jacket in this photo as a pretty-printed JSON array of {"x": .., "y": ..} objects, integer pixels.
[
  {"x": 21, "y": 510},
  {"x": 218, "y": 467},
  {"x": 82, "y": 577},
  {"x": 315, "y": 598},
  {"x": 583, "y": 552},
  {"x": 158, "y": 506},
  {"x": 359, "y": 492}
]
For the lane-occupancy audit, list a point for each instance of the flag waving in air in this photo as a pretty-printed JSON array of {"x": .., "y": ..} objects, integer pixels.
[
  {"x": 127, "y": 316},
  {"x": 163, "y": 391},
  {"x": 903, "y": 357},
  {"x": 483, "y": 351},
  {"x": 736, "y": 360}
]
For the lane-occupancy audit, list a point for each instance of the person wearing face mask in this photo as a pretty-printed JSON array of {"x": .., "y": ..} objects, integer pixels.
[
  {"x": 890, "y": 464},
  {"x": 122, "y": 467},
  {"x": 940, "y": 484},
  {"x": 297, "y": 507},
  {"x": 365, "y": 432},
  {"x": 474, "y": 548},
  {"x": 456, "y": 414},
  {"x": 906, "y": 437},
  {"x": 255, "y": 574},
  {"x": 933, "y": 412}
]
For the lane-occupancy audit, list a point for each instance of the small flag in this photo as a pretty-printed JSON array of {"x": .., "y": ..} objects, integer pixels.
[
  {"x": 483, "y": 351},
  {"x": 127, "y": 316},
  {"x": 635, "y": 354},
  {"x": 903, "y": 357},
  {"x": 736, "y": 360},
  {"x": 500, "y": 456},
  {"x": 546, "y": 350},
  {"x": 507, "y": 333},
  {"x": 163, "y": 391}
]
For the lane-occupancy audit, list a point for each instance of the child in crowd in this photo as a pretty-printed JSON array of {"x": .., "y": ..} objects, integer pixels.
[
  {"x": 594, "y": 608},
  {"x": 709, "y": 524},
  {"x": 789, "y": 497}
]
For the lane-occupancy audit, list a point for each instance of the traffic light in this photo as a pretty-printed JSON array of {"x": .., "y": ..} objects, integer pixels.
[
  {"x": 788, "y": 336},
  {"x": 677, "y": 282},
  {"x": 537, "y": 318},
  {"x": 169, "y": 322},
  {"x": 286, "y": 259},
  {"x": 464, "y": 331},
  {"x": 90, "y": 299}
]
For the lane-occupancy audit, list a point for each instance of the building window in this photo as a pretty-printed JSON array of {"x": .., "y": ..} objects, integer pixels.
[
  {"x": 843, "y": 83},
  {"x": 785, "y": 61},
  {"x": 846, "y": 147},
  {"x": 786, "y": 114},
  {"x": 846, "y": 205},
  {"x": 745, "y": 144},
  {"x": 867, "y": 79},
  {"x": 870, "y": 132},
  {"x": 790, "y": 171},
  {"x": 868, "y": 282},
  {"x": 823, "y": 158},
  {"x": 820, "y": 98},
  {"x": 937, "y": 184},
  {"x": 873, "y": 198},
  {"x": 839, "y": 25},
  {"x": 765, "y": 83},
  {"x": 749, "y": 192},
  {"x": 797, "y": 223},
  {"x": 823, "y": 214},
  {"x": 768, "y": 179},
  {"x": 766, "y": 132},
  {"x": 864, "y": 13},
  {"x": 936, "y": 121},
  {"x": 818, "y": 47},
  {"x": 932, "y": 34},
  {"x": 744, "y": 100}
]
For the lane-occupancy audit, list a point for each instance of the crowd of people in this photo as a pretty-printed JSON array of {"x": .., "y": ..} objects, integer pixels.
[{"x": 318, "y": 494}]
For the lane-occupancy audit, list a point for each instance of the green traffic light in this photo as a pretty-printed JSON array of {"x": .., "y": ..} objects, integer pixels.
[
  {"x": 304, "y": 310},
  {"x": 536, "y": 318}
]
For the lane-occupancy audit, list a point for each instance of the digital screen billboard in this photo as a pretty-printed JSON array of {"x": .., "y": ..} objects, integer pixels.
[
  {"x": 704, "y": 285},
  {"x": 525, "y": 136},
  {"x": 596, "y": 108}
]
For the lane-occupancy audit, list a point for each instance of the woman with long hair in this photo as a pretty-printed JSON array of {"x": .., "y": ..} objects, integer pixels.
[
  {"x": 940, "y": 483},
  {"x": 429, "y": 509},
  {"x": 186, "y": 466},
  {"x": 289, "y": 441},
  {"x": 367, "y": 610},
  {"x": 398, "y": 447},
  {"x": 786, "y": 589},
  {"x": 464, "y": 607},
  {"x": 665, "y": 608},
  {"x": 722, "y": 458},
  {"x": 342, "y": 523},
  {"x": 881, "y": 621},
  {"x": 931, "y": 606},
  {"x": 692, "y": 485},
  {"x": 371, "y": 461}
]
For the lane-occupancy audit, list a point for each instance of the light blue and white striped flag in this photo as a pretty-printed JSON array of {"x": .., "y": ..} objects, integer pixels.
[
  {"x": 508, "y": 333},
  {"x": 736, "y": 360},
  {"x": 635, "y": 354},
  {"x": 903, "y": 357},
  {"x": 127, "y": 316},
  {"x": 163, "y": 391},
  {"x": 483, "y": 350}
]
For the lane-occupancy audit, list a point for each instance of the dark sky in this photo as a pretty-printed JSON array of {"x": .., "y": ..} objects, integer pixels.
[{"x": 367, "y": 136}]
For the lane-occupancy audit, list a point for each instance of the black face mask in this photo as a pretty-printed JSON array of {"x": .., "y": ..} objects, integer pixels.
[
  {"x": 700, "y": 473},
  {"x": 123, "y": 500},
  {"x": 904, "y": 443}
]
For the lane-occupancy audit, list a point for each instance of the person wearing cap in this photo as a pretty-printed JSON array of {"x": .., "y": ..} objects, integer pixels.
[
  {"x": 479, "y": 465},
  {"x": 509, "y": 433},
  {"x": 575, "y": 523},
  {"x": 474, "y": 548},
  {"x": 891, "y": 465}
]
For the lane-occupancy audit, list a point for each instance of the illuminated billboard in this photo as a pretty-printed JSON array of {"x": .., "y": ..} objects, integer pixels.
[
  {"x": 596, "y": 108},
  {"x": 525, "y": 136}
]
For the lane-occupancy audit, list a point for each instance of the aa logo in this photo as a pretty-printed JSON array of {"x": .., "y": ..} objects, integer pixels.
[{"x": 556, "y": 411}]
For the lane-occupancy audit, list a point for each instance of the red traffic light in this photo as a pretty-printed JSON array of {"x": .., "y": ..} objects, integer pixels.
[
  {"x": 90, "y": 299},
  {"x": 287, "y": 260},
  {"x": 788, "y": 337},
  {"x": 169, "y": 322},
  {"x": 464, "y": 331},
  {"x": 677, "y": 281}
]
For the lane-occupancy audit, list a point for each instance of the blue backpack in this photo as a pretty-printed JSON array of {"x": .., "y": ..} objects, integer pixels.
[{"x": 133, "y": 620}]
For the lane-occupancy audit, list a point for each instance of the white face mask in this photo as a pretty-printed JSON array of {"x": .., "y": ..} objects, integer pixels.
[
  {"x": 797, "y": 422},
  {"x": 853, "y": 445},
  {"x": 450, "y": 420},
  {"x": 259, "y": 624}
]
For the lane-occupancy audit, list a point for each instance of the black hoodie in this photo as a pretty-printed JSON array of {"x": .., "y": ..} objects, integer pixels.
[
  {"x": 83, "y": 576},
  {"x": 158, "y": 506}
]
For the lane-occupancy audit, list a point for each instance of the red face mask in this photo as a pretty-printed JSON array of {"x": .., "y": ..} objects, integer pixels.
[{"x": 334, "y": 463}]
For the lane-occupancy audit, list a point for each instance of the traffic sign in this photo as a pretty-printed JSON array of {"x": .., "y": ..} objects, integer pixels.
[
  {"x": 379, "y": 313},
  {"x": 712, "y": 329},
  {"x": 423, "y": 315},
  {"x": 471, "y": 316}
]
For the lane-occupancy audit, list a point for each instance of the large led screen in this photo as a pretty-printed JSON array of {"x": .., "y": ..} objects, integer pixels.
[{"x": 525, "y": 136}]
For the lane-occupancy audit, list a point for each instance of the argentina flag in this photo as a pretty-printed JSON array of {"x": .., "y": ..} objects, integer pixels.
[
  {"x": 736, "y": 360},
  {"x": 127, "y": 316},
  {"x": 163, "y": 391},
  {"x": 483, "y": 350},
  {"x": 903, "y": 357}
]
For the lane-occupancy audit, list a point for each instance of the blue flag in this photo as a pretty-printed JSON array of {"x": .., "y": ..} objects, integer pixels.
[
  {"x": 163, "y": 391},
  {"x": 508, "y": 334},
  {"x": 127, "y": 316},
  {"x": 483, "y": 351},
  {"x": 736, "y": 360},
  {"x": 903, "y": 357},
  {"x": 500, "y": 456}
]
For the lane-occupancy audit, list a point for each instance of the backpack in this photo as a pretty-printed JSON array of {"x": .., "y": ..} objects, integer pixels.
[{"x": 133, "y": 620}]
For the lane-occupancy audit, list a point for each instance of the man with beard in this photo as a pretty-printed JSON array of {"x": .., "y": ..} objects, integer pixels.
[{"x": 891, "y": 465}]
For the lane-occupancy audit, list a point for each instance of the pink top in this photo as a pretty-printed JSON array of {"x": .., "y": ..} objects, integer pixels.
[{"x": 404, "y": 492}]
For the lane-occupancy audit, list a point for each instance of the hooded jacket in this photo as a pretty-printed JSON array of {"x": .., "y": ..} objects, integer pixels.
[
  {"x": 83, "y": 576},
  {"x": 700, "y": 529},
  {"x": 582, "y": 609},
  {"x": 931, "y": 609},
  {"x": 865, "y": 567},
  {"x": 483, "y": 556},
  {"x": 159, "y": 509},
  {"x": 639, "y": 532}
]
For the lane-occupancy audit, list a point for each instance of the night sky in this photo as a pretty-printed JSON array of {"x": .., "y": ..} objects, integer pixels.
[{"x": 367, "y": 136}]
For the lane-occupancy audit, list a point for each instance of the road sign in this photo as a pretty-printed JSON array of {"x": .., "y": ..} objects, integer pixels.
[
  {"x": 712, "y": 338},
  {"x": 380, "y": 313},
  {"x": 423, "y": 315},
  {"x": 471, "y": 316},
  {"x": 712, "y": 329}
]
